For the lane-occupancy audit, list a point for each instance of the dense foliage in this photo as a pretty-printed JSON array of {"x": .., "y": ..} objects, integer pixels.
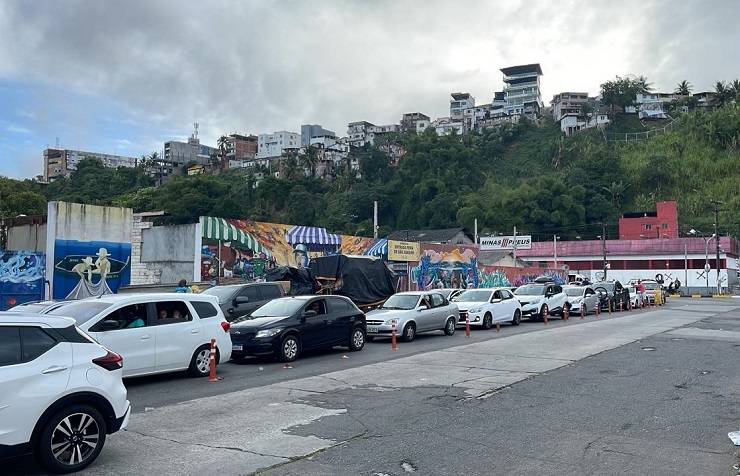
[{"x": 525, "y": 175}]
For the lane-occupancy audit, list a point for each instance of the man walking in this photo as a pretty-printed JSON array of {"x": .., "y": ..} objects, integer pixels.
[{"x": 641, "y": 292}]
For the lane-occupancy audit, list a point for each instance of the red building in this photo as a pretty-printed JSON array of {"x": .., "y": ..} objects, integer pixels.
[{"x": 662, "y": 223}]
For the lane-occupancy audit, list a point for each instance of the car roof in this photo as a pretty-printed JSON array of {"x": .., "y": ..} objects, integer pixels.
[
  {"x": 145, "y": 297},
  {"x": 34, "y": 318}
]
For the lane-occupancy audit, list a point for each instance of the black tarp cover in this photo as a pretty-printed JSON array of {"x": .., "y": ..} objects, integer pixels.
[
  {"x": 301, "y": 279},
  {"x": 365, "y": 280}
]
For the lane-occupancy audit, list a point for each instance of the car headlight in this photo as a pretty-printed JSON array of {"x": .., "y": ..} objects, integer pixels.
[
  {"x": 269, "y": 332},
  {"x": 475, "y": 310}
]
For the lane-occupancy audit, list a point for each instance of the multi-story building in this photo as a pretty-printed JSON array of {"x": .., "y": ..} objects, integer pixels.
[
  {"x": 273, "y": 145},
  {"x": 704, "y": 99},
  {"x": 662, "y": 223},
  {"x": 445, "y": 125},
  {"x": 60, "y": 162},
  {"x": 567, "y": 103},
  {"x": 310, "y": 131},
  {"x": 458, "y": 104},
  {"x": 179, "y": 154},
  {"x": 361, "y": 133},
  {"x": 414, "y": 122},
  {"x": 522, "y": 90},
  {"x": 241, "y": 147}
]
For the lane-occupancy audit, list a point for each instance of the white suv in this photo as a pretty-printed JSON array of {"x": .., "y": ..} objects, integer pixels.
[
  {"x": 155, "y": 333},
  {"x": 61, "y": 392},
  {"x": 538, "y": 299}
]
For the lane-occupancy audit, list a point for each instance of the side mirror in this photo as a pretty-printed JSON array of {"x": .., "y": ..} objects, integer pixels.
[
  {"x": 239, "y": 300},
  {"x": 110, "y": 325},
  {"x": 309, "y": 313},
  {"x": 495, "y": 300}
]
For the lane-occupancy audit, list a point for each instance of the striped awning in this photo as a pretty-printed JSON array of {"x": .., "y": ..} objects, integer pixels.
[
  {"x": 380, "y": 248},
  {"x": 214, "y": 228},
  {"x": 311, "y": 235}
]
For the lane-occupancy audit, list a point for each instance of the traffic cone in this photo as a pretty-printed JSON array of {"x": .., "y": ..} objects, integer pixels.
[
  {"x": 394, "y": 345},
  {"x": 583, "y": 310},
  {"x": 546, "y": 315},
  {"x": 498, "y": 327},
  {"x": 212, "y": 363},
  {"x": 566, "y": 313},
  {"x": 467, "y": 325}
]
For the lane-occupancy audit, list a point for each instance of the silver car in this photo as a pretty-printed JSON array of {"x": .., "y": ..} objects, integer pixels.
[
  {"x": 582, "y": 299},
  {"x": 413, "y": 312}
]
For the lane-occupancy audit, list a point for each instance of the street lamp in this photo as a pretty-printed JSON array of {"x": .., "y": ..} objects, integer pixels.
[{"x": 706, "y": 251}]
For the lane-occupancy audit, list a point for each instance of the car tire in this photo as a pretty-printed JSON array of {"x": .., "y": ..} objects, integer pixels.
[
  {"x": 487, "y": 321},
  {"x": 290, "y": 347},
  {"x": 517, "y": 318},
  {"x": 542, "y": 312},
  {"x": 51, "y": 450},
  {"x": 409, "y": 332},
  {"x": 356, "y": 339},
  {"x": 200, "y": 363},
  {"x": 450, "y": 326}
]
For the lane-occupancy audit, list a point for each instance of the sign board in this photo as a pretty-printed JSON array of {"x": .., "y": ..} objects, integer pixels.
[
  {"x": 493, "y": 243},
  {"x": 403, "y": 250}
]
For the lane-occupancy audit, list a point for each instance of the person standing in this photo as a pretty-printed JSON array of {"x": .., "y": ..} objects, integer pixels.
[
  {"x": 641, "y": 292},
  {"x": 182, "y": 287}
]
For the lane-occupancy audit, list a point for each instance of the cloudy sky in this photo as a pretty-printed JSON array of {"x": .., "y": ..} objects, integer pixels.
[{"x": 122, "y": 77}]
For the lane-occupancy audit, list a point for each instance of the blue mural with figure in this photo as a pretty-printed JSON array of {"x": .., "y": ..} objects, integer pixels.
[
  {"x": 90, "y": 268},
  {"x": 22, "y": 277}
]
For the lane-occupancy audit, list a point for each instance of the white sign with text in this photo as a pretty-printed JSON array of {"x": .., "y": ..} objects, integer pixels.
[{"x": 489, "y": 243}]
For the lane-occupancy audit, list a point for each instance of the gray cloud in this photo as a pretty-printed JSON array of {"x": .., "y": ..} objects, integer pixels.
[{"x": 262, "y": 66}]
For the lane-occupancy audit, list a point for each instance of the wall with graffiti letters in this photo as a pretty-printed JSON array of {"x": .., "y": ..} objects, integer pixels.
[{"x": 456, "y": 266}]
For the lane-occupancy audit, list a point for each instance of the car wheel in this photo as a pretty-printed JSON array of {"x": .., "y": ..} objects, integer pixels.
[
  {"x": 517, "y": 318},
  {"x": 72, "y": 439},
  {"x": 357, "y": 339},
  {"x": 289, "y": 348},
  {"x": 200, "y": 364},
  {"x": 450, "y": 326},
  {"x": 544, "y": 310},
  {"x": 409, "y": 332},
  {"x": 487, "y": 321}
]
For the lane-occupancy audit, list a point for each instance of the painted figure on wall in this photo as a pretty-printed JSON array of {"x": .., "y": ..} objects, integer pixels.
[
  {"x": 84, "y": 269},
  {"x": 22, "y": 277}
]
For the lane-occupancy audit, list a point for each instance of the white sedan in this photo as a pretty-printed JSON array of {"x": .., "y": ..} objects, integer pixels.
[
  {"x": 486, "y": 307},
  {"x": 581, "y": 299}
]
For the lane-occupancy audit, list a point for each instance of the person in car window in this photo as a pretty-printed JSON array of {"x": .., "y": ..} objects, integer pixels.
[
  {"x": 315, "y": 306},
  {"x": 163, "y": 314},
  {"x": 138, "y": 322},
  {"x": 176, "y": 314}
]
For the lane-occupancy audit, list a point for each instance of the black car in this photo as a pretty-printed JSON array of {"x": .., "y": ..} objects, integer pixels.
[
  {"x": 241, "y": 300},
  {"x": 287, "y": 326},
  {"x": 611, "y": 294}
]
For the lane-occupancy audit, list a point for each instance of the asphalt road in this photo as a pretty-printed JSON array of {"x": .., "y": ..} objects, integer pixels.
[{"x": 160, "y": 390}]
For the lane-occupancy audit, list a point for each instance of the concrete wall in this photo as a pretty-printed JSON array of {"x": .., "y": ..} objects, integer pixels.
[
  {"x": 163, "y": 254},
  {"x": 31, "y": 237}
]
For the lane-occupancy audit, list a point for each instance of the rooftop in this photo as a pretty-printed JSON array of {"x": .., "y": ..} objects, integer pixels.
[
  {"x": 525, "y": 68},
  {"x": 461, "y": 96}
]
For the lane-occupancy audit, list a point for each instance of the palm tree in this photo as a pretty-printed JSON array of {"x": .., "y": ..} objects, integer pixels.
[
  {"x": 683, "y": 88},
  {"x": 309, "y": 160},
  {"x": 735, "y": 86},
  {"x": 223, "y": 144},
  {"x": 616, "y": 190},
  {"x": 722, "y": 93},
  {"x": 642, "y": 85}
]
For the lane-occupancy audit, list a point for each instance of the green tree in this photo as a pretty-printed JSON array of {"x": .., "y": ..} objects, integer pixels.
[{"x": 683, "y": 88}]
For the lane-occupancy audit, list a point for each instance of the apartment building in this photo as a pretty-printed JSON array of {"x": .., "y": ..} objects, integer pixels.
[
  {"x": 310, "y": 131},
  {"x": 59, "y": 162},
  {"x": 275, "y": 144},
  {"x": 566, "y": 103},
  {"x": 361, "y": 133},
  {"x": 458, "y": 104},
  {"x": 414, "y": 122},
  {"x": 179, "y": 154},
  {"x": 522, "y": 90}
]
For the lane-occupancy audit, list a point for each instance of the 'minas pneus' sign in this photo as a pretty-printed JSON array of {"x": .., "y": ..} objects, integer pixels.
[
  {"x": 489, "y": 243},
  {"x": 403, "y": 250}
]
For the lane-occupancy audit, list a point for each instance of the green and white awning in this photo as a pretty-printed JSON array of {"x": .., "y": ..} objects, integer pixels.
[{"x": 214, "y": 228}]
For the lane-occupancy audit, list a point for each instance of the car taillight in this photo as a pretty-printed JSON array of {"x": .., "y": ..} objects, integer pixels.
[
  {"x": 226, "y": 326},
  {"x": 110, "y": 361}
]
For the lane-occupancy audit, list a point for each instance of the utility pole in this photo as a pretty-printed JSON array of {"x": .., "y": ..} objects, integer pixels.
[
  {"x": 603, "y": 247},
  {"x": 475, "y": 233},
  {"x": 717, "y": 204},
  {"x": 375, "y": 219},
  {"x": 515, "y": 247},
  {"x": 555, "y": 249}
]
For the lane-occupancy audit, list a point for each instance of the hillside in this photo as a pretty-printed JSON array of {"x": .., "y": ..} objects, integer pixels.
[{"x": 525, "y": 176}]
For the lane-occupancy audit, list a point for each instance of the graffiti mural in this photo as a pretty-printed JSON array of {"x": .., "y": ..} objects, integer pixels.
[
  {"x": 21, "y": 277},
  {"x": 457, "y": 266},
  {"x": 90, "y": 268},
  {"x": 267, "y": 245}
]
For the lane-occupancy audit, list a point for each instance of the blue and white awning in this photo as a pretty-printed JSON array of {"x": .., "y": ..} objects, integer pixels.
[
  {"x": 312, "y": 235},
  {"x": 380, "y": 248}
]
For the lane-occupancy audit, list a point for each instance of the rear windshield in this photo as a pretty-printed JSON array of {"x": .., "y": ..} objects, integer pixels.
[
  {"x": 651, "y": 285},
  {"x": 81, "y": 311},
  {"x": 531, "y": 290},
  {"x": 223, "y": 293}
]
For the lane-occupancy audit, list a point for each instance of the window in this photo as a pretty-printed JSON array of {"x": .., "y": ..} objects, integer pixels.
[
  {"x": 251, "y": 292},
  {"x": 319, "y": 306},
  {"x": 204, "y": 309},
  {"x": 664, "y": 226},
  {"x": 506, "y": 294},
  {"x": 648, "y": 226},
  {"x": 127, "y": 317},
  {"x": 340, "y": 305},
  {"x": 172, "y": 312},
  {"x": 35, "y": 342},
  {"x": 271, "y": 292},
  {"x": 10, "y": 346},
  {"x": 497, "y": 295},
  {"x": 437, "y": 300}
]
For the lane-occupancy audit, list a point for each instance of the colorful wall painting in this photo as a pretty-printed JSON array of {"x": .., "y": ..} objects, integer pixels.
[
  {"x": 90, "y": 268},
  {"x": 242, "y": 262},
  {"x": 22, "y": 277}
]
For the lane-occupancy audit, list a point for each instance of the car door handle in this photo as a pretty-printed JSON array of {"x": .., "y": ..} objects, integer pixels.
[
  {"x": 146, "y": 337},
  {"x": 53, "y": 369}
]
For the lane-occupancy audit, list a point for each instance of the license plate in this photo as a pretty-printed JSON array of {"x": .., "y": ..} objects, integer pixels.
[
  {"x": 237, "y": 347},
  {"x": 372, "y": 329}
]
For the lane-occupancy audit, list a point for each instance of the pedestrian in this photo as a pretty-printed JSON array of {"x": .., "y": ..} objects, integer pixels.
[
  {"x": 677, "y": 286},
  {"x": 182, "y": 287},
  {"x": 641, "y": 292}
]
